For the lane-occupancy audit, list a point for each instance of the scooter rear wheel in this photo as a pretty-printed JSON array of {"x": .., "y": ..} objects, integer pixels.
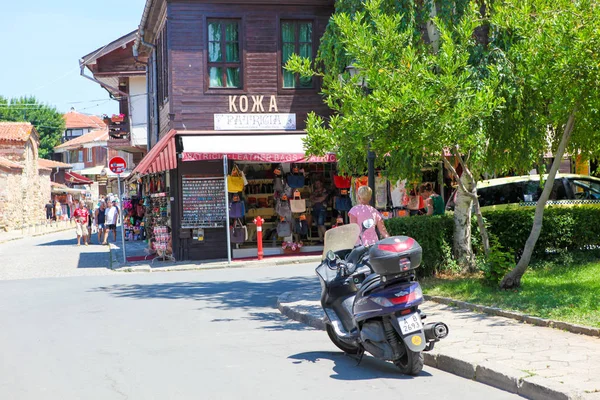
[
  {"x": 342, "y": 345},
  {"x": 411, "y": 363}
]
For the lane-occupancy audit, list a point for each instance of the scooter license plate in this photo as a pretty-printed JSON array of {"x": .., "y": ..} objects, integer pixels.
[{"x": 410, "y": 323}]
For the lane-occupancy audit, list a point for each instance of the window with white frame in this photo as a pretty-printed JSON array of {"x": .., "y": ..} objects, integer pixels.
[
  {"x": 90, "y": 155},
  {"x": 80, "y": 156}
]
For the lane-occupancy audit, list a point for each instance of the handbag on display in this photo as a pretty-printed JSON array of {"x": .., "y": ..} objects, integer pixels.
[
  {"x": 295, "y": 181},
  {"x": 342, "y": 182},
  {"x": 239, "y": 233},
  {"x": 343, "y": 202},
  {"x": 283, "y": 208},
  {"x": 297, "y": 204},
  {"x": 235, "y": 181},
  {"x": 278, "y": 184},
  {"x": 284, "y": 228},
  {"x": 381, "y": 191},
  {"x": 301, "y": 227},
  {"x": 236, "y": 208}
]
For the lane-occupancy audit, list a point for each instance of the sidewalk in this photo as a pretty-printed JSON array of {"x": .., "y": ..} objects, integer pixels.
[
  {"x": 116, "y": 259},
  {"x": 534, "y": 362}
]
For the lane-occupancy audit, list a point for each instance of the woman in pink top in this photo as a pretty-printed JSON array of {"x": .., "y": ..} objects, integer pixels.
[{"x": 364, "y": 211}]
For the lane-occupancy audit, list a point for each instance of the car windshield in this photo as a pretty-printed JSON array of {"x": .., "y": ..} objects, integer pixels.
[{"x": 586, "y": 189}]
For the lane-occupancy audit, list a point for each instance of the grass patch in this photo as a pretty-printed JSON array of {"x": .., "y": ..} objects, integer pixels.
[{"x": 564, "y": 287}]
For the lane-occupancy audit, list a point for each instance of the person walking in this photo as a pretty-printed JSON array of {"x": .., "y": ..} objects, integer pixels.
[
  {"x": 364, "y": 211},
  {"x": 81, "y": 216},
  {"x": 100, "y": 221},
  {"x": 49, "y": 210},
  {"x": 415, "y": 204},
  {"x": 111, "y": 217}
]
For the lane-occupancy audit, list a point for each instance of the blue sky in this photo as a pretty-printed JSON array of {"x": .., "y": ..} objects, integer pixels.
[{"x": 43, "y": 40}]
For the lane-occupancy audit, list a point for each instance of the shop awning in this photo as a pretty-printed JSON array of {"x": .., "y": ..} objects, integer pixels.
[
  {"x": 162, "y": 157},
  {"x": 75, "y": 178},
  {"x": 268, "y": 148},
  {"x": 59, "y": 188},
  {"x": 97, "y": 170}
]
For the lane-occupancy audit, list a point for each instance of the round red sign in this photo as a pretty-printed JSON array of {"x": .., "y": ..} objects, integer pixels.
[{"x": 117, "y": 165}]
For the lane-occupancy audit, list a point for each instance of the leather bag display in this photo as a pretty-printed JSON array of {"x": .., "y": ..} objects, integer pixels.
[
  {"x": 237, "y": 209},
  {"x": 239, "y": 233},
  {"x": 295, "y": 181},
  {"x": 235, "y": 181},
  {"x": 342, "y": 182},
  {"x": 298, "y": 204},
  {"x": 284, "y": 229},
  {"x": 283, "y": 209}
]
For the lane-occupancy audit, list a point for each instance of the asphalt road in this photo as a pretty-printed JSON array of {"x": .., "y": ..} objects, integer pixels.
[{"x": 187, "y": 335}]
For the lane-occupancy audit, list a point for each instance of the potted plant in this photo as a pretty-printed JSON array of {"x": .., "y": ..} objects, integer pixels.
[
  {"x": 106, "y": 119},
  {"x": 117, "y": 117}
]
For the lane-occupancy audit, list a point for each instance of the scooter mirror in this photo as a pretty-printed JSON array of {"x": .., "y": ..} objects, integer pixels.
[
  {"x": 330, "y": 255},
  {"x": 368, "y": 224}
]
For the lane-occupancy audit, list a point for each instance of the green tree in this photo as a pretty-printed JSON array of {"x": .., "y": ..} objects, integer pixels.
[
  {"x": 47, "y": 120},
  {"x": 553, "y": 49},
  {"x": 427, "y": 94}
]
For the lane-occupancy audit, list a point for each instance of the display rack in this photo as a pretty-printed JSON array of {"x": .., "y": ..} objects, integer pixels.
[
  {"x": 161, "y": 241},
  {"x": 203, "y": 203}
]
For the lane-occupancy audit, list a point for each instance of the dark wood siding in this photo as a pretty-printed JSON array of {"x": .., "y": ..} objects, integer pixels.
[{"x": 192, "y": 103}]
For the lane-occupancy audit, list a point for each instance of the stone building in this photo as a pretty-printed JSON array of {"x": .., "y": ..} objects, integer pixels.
[{"x": 24, "y": 184}]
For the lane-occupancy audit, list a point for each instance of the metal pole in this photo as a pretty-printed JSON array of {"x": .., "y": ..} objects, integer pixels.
[
  {"x": 121, "y": 218},
  {"x": 225, "y": 170},
  {"x": 371, "y": 160}
]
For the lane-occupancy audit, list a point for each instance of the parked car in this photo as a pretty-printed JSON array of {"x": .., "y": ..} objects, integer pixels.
[{"x": 526, "y": 190}]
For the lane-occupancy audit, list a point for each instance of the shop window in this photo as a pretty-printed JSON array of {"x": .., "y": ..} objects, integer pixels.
[
  {"x": 296, "y": 38},
  {"x": 224, "y": 60}
]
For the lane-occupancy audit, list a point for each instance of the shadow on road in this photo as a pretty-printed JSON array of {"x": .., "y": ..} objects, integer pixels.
[
  {"x": 232, "y": 295},
  {"x": 347, "y": 368}
]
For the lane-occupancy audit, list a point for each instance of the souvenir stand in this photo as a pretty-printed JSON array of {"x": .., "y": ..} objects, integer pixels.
[{"x": 157, "y": 207}]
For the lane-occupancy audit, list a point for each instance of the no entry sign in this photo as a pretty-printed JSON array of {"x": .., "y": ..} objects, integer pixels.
[{"x": 117, "y": 165}]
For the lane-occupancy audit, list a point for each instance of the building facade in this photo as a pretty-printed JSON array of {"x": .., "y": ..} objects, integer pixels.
[
  {"x": 24, "y": 184},
  {"x": 220, "y": 100}
]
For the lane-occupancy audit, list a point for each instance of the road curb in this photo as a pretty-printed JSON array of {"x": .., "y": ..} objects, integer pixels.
[
  {"x": 36, "y": 235},
  {"x": 120, "y": 267},
  {"x": 549, "y": 323},
  {"x": 512, "y": 381}
]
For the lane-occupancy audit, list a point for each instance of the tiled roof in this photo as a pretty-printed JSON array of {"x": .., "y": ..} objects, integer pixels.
[
  {"x": 9, "y": 164},
  {"x": 75, "y": 120},
  {"x": 15, "y": 131},
  {"x": 100, "y": 135},
  {"x": 43, "y": 163}
]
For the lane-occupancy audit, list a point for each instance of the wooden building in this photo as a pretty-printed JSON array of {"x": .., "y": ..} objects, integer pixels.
[{"x": 218, "y": 90}]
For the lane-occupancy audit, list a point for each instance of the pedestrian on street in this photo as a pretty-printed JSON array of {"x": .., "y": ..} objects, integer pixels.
[
  {"x": 49, "y": 210},
  {"x": 319, "y": 199},
  {"x": 100, "y": 221},
  {"x": 364, "y": 211},
  {"x": 111, "y": 217},
  {"x": 81, "y": 216},
  {"x": 433, "y": 202}
]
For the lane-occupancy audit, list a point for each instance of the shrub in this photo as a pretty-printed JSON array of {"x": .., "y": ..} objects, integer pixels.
[
  {"x": 434, "y": 234},
  {"x": 564, "y": 228},
  {"x": 496, "y": 264}
]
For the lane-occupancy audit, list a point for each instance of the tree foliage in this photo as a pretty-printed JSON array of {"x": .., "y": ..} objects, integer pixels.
[
  {"x": 47, "y": 120},
  {"x": 552, "y": 46}
]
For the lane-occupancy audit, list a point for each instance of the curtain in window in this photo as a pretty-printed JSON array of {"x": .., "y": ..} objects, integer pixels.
[
  {"x": 305, "y": 44},
  {"x": 214, "y": 42},
  {"x": 216, "y": 77},
  {"x": 288, "y": 35},
  {"x": 233, "y": 77},
  {"x": 232, "y": 43}
]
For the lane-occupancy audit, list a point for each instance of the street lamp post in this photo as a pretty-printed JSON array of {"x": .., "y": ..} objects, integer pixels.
[{"x": 353, "y": 71}]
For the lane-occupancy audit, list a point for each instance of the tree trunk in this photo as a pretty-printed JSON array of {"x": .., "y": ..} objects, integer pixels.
[
  {"x": 485, "y": 239},
  {"x": 513, "y": 278},
  {"x": 463, "y": 251}
]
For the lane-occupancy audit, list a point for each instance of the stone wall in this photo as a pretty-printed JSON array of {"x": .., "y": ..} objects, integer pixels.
[{"x": 23, "y": 193}]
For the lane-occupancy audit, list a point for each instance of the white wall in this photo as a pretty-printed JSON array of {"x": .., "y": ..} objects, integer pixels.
[{"x": 139, "y": 110}]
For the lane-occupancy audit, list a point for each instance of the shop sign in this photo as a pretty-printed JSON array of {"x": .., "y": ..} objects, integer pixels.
[
  {"x": 260, "y": 157},
  {"x": 250, "y": 122}
]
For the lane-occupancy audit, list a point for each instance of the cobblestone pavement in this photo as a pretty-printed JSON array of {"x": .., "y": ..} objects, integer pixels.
[
  {"x": 52, "y": 255},
  {"x": 536, "y": 362}
]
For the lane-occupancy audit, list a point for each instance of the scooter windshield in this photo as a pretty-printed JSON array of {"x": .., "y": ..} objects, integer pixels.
[{"x": 341, "y": 238}]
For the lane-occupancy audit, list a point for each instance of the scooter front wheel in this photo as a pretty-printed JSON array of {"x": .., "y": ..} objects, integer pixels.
[
  {"x": 411, "y": 363},
  {"x": 342, "y": 345}
]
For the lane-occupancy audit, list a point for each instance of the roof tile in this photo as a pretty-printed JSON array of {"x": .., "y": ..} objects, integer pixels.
[
  {"x": 75, "y": 120},
  {"x": 15, "y": 131},
  {"x": 99, "y": 135}
]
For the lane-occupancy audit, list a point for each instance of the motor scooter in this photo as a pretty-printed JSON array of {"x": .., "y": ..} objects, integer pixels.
[{"x": 371, "y": 298}]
